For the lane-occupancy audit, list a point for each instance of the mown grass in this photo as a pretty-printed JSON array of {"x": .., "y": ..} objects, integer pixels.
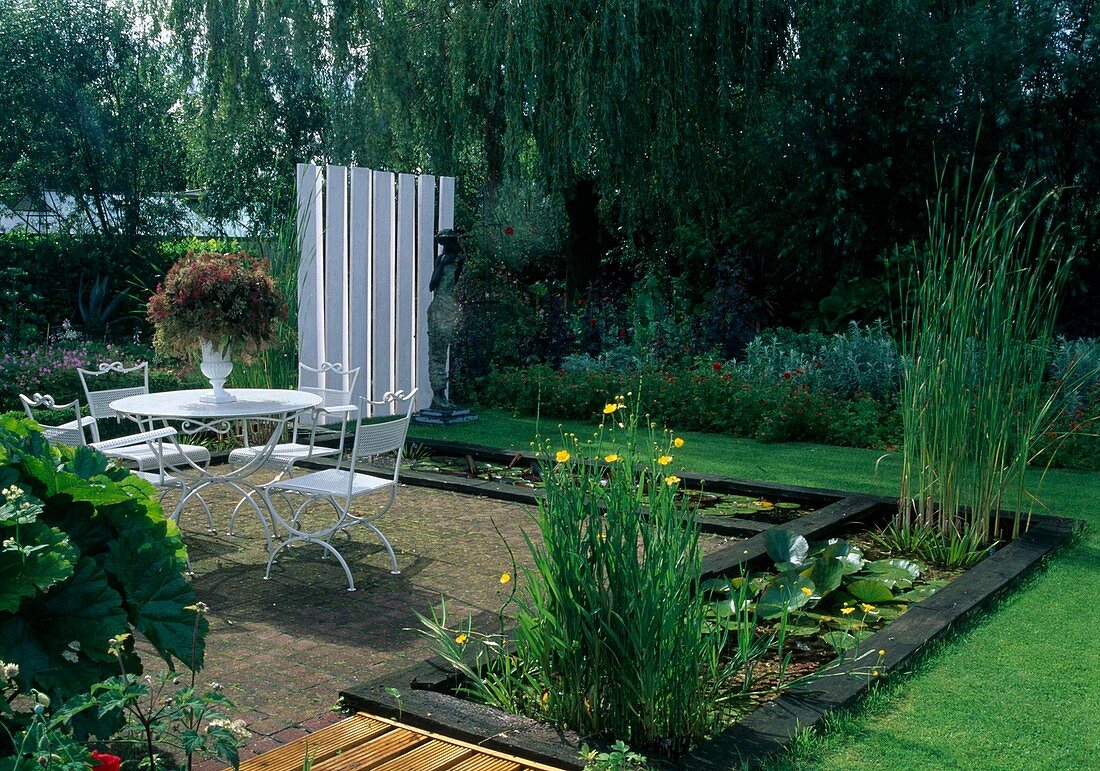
[{"x": 1017, "y": 689}]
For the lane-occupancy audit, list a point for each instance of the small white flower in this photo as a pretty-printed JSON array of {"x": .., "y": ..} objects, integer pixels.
[
  {"x": 11, "y": 671},
  {"x": 70, "y": 656},
  {"x": 74, "y": 645}
]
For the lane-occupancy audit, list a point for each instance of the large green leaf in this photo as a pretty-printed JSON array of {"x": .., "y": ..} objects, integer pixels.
[
  {"x": 151, "y": 574},
  {"x": 786, "y": 546},
  {"x": 40, "y": 558},
  {"x": 896, "y": 568},
  {"x": 869, "y": 590},
  {"x": 784, "y": 594},
  {"x": 80, "y": 616},
  {"x": 825, "y": 573}
]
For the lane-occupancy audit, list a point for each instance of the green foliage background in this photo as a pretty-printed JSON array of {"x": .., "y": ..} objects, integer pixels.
[{"x": 794, "y": 138}]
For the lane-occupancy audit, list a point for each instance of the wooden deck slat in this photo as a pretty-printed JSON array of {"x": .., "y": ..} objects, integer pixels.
[
  {"x": 320, "y": 745},
  {"x": 364, "y": 742},
  {"x": 486, "y": 763},
  {"x": 373, "y": 753},
  {"x": 435, "y": 755}
]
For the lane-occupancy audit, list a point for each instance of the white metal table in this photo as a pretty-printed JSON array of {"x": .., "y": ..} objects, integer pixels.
[{"x": 270, "y": 406}]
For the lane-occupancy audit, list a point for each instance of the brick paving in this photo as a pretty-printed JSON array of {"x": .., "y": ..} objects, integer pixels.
[{"x": 283, "y": 648}]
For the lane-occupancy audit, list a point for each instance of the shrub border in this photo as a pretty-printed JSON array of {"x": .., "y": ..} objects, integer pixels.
[{"x": 424, "y": 701}]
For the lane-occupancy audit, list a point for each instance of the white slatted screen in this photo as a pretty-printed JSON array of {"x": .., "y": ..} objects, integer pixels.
[{"x": 367, "y": 247}]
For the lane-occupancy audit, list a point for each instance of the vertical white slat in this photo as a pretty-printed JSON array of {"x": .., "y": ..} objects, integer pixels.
[
  {"x": 311, "y": 326},
  {"x": 425, "y": 261},
  {"x": 446, "y": 202},
  {"x": 405, "y": 282},
  {"x": 336, "y": 268},
  {"x": 382, "y": 301},
  {"x": 359, "y": 279}
]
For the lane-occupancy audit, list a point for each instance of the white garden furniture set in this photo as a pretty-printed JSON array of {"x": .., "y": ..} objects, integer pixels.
[{"x": 316, "y": 505}]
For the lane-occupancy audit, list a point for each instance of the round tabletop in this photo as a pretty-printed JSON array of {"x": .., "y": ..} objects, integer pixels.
[{"x": 250, "y": 403}]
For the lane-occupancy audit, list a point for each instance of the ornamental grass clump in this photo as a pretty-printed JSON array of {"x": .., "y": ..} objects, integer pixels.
[
  {"x": 228, "y": 299},
  {"x": 978, "y": 335},
  {"x": 611, "y": 635}
]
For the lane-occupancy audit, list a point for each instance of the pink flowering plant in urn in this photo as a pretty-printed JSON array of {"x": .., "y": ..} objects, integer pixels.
[{"x": 219, "y": 304}]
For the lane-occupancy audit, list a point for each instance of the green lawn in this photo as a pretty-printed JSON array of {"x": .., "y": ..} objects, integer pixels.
[{"x": 1020, "y": 689}]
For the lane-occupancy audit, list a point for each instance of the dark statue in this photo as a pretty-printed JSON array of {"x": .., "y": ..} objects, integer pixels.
[{"x": 442, "y": 320}]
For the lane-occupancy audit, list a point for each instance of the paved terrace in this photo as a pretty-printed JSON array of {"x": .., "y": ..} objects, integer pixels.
[{"x": 284, "y": 648}]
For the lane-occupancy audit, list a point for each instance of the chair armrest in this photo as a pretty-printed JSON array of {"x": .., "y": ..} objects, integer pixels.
[
  {"x": 144, "y": 437},
  {"x": 339, "y": 408}
]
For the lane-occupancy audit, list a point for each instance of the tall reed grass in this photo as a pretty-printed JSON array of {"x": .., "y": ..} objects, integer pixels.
[
  {"x": 977, "y": 338},
  {"x": 612, "y": 636}
]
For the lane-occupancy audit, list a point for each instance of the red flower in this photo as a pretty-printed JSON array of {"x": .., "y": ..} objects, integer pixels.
[
  {"x": 105, "y": 761},
  {"x": 509, "y": 230},
  {"x": 786, "y": 375},
  {"x": 716, "y": 366},
  {"x": 622, "y": 334},
  {"x": 592, "y": 322}
]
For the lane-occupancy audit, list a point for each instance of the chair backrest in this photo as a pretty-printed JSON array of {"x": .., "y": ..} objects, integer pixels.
[
  {"x": 100, "y": 398},
  {"x": 71, "y": 434},
  {"x": 332, "y": 397},
  {"x": 382, "y": 436}
]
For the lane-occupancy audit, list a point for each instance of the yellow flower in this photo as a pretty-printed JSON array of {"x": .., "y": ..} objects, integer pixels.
[
  {"x": 545, "y": 698},
  {"x": 677, "y": 442},
  {"x": 562, "y": 456},
  {"x": 867, "y": 608},
  {"x": 664, "y": 460},
  {"x": 610, "y": 408},
  {"x": 881, "y": 652},
  {"x": 505, "y": 577},
  {"x": 611, "y": 458},
  {"x": 672, "y": 480},
  {"x": 807, "y": 591},
  {"x": 874, "y": 673},
  {"x": 847, "y": 611},
  {"x": 462, "y": 638}
]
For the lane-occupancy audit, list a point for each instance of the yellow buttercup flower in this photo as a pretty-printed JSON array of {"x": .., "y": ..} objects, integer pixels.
[
  {"x": 847, "y": 611},
  {"x": 462, "y": 638},
  {"x": 664, "y": 460},
  {"x": 505, "y": 577},
  {"x": 562, "y": 456},
  {"x": 677, "y": 442},
  {"x": 611, "y": 458},
  {"x": 672, "y": 480},
  {"x": 807, "y": 591},
  {"x": 610, "y": 408},
  {"x": 881, "y": 652},
  {"x": 868, "y": 608}
]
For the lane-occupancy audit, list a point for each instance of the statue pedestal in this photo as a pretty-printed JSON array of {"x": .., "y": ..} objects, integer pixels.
[{"x": 446, "y": 417}]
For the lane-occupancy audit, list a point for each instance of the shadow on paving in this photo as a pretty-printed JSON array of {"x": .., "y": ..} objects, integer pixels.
[{"x": 283, "y": 648}]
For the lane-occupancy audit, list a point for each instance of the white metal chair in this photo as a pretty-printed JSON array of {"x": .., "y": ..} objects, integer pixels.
[
  {"x": 316, "y": 423},
  {"x": 153, "y": 443},
  {"x": 140, "y": 453},
  {"x": 70, "y": 432},
  {"x": 162, "y": 480},
  {"x": 338, "y": 487}
]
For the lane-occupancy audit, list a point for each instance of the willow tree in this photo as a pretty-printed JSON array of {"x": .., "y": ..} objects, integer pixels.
[{"x": 798, "y": 134}]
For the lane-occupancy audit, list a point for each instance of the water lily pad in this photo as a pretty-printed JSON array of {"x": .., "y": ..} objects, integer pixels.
[
  {"x": 869, "y": 590},
  {"x": 839, "y": 641},
  {"x": 786, "y": 546},
  {"x": 784, "y": 595}
]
